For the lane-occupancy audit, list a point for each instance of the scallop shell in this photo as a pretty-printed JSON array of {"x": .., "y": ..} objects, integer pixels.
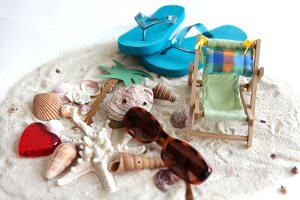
[
  {"x": 46, "y": 106},
  {"x": 61, "y": 158},
  {"x": 127, "y": 97},
  {"x": 93, "y": 88},
  {"x": 162, "y": 92},
  {"x": 179, "y": 119},
  {"x": 127, "y": 162}
]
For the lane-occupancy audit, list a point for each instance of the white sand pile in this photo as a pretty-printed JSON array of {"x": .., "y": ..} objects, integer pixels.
[{"x": 237, "y": 170}]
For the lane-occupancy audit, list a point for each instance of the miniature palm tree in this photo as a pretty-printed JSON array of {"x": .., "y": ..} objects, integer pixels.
[{"x": 117, "y": 72}]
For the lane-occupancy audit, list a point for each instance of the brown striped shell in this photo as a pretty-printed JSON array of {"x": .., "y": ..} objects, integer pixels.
[
  {"x": 162, "y": 92},
  {"x": 46, "y": 106},
  {"x": 127, "y": 162}
]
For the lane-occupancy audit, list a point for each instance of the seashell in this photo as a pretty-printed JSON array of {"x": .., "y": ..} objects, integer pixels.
[
  {"x": 61, "y": 158},
  {"x": 66, "y": 111},
  {"x": 179, "y": 119},
  {"x": 162, "y": 92},
  {"x": 163, "y": 177},
  {"x": 78, "y": 96},
  {"x": 62, "y": 90},
  {"x": 46, "y": 106},
  {"x": 127, "y": 97},
  {"x": 55, "y": 126},
  {"x": 127, "y": 162},
  {"x": 84, "y": 109},
  {"x": 93, "y": 88}
]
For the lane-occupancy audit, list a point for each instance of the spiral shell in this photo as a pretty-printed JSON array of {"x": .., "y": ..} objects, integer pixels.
[
  {"x": 162, "y": 92},
  {"x": 46, "y": 106},
  {"x": 61, "y": 158},
  {"x": 127, "y": 97},
  {"x": 127, "y": 162}
]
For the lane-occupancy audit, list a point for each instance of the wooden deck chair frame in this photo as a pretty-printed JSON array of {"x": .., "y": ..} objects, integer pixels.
[{"x": 249, "y": 108}]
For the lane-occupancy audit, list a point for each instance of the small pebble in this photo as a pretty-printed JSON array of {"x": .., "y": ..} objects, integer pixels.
[
  {"x": 273, "y": 156},
  {"x": 158, "y": 76},
  {"x": 295, "y": 170},
  {"x": 74, "y": 128},
  {"x": 57, "y": 71},
  {"x": 262, "y": 121},
  {"x": 283, "y": 190},
  {"x": 12, "y": 110}
]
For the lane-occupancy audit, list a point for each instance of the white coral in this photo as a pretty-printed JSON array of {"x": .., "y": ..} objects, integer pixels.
[{"x": 95, "y": 151}]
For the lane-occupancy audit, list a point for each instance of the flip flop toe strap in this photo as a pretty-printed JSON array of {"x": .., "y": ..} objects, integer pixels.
[
  {"x": 145, "y": 22},
  {"x": 178, "y": 38}
]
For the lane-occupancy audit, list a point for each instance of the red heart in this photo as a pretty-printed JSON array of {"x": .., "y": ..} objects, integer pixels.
[{"x": 36, "y": 140}]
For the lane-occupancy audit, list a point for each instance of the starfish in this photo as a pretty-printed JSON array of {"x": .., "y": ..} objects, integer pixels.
[{"x": 95, "y": 151}]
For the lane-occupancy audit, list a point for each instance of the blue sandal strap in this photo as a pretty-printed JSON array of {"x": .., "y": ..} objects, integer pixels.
[
  {"x": 145, "y": 22},
  {"x": 178, "y": 37}
]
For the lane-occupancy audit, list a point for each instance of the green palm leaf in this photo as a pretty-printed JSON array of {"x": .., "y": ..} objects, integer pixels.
[{"x": 128, "y": 76}]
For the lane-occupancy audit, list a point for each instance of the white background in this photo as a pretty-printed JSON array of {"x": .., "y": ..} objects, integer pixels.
[{"x": 33, "y": 32}]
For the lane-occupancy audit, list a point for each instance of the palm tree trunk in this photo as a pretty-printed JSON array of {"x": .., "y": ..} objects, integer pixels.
[{"x": 99, "y": 99}]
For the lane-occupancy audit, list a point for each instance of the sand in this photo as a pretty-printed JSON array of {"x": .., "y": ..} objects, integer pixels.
[{"x": 238, "y": 171}]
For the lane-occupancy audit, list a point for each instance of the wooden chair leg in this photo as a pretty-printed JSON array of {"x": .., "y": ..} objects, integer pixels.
[
  {"x": 190, "y": 77},
  {"x": 250, "y": 134}
]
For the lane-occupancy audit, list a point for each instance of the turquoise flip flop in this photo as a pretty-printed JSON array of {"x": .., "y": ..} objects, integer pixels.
[
  {"x": 179, "y": 52},
  {"x": 153, "y": 32}
]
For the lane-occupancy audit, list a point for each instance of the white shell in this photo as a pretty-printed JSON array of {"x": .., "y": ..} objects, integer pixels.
[
  {"x": 126, "y": 98},
  {"x": 55, "y": 126},
  {"x": 93, "y": 88},
  {"x": 79, "y": 97},
  {"x": 66, "y": 111},
  {"x": 62, "y": 90}
]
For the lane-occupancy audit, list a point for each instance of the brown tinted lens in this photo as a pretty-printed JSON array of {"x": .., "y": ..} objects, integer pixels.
[
  {"x": 186, "y": 162},
  {"x": 141, "y": 125}
]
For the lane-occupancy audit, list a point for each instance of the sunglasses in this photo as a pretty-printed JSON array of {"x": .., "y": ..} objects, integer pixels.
[{"x": 180, "y": 157}]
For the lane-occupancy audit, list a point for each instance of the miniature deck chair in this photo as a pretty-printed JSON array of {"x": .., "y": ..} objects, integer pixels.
[{"x": 223, "y": 95}]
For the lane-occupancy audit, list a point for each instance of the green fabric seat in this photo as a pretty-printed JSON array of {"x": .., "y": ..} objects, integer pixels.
[{"x": 221, "y": 97}]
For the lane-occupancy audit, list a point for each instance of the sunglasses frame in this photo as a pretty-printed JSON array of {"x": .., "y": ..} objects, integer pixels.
[{"x": 163, "y": 139}]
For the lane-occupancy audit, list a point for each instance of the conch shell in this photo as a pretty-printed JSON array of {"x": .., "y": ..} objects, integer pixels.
[
  {"x": 46, "y": 106},
  {"x": 127, "y": 162},
  {"x": 162, "y": 92},
  {"x": 61, "y": 158}
]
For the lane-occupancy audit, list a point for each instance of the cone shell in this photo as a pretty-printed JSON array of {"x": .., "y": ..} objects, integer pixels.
[
  {"x": 162, "y": 92},
  {"x": 46, "y": 106},
  {"x": 61, "y": 158},
  {"x": 127, "y": 162}
]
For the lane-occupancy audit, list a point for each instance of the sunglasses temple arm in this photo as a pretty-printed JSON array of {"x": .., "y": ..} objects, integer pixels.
[
  {"x": 188, "y": 192},
  {"x": 115, "y": 124}
]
